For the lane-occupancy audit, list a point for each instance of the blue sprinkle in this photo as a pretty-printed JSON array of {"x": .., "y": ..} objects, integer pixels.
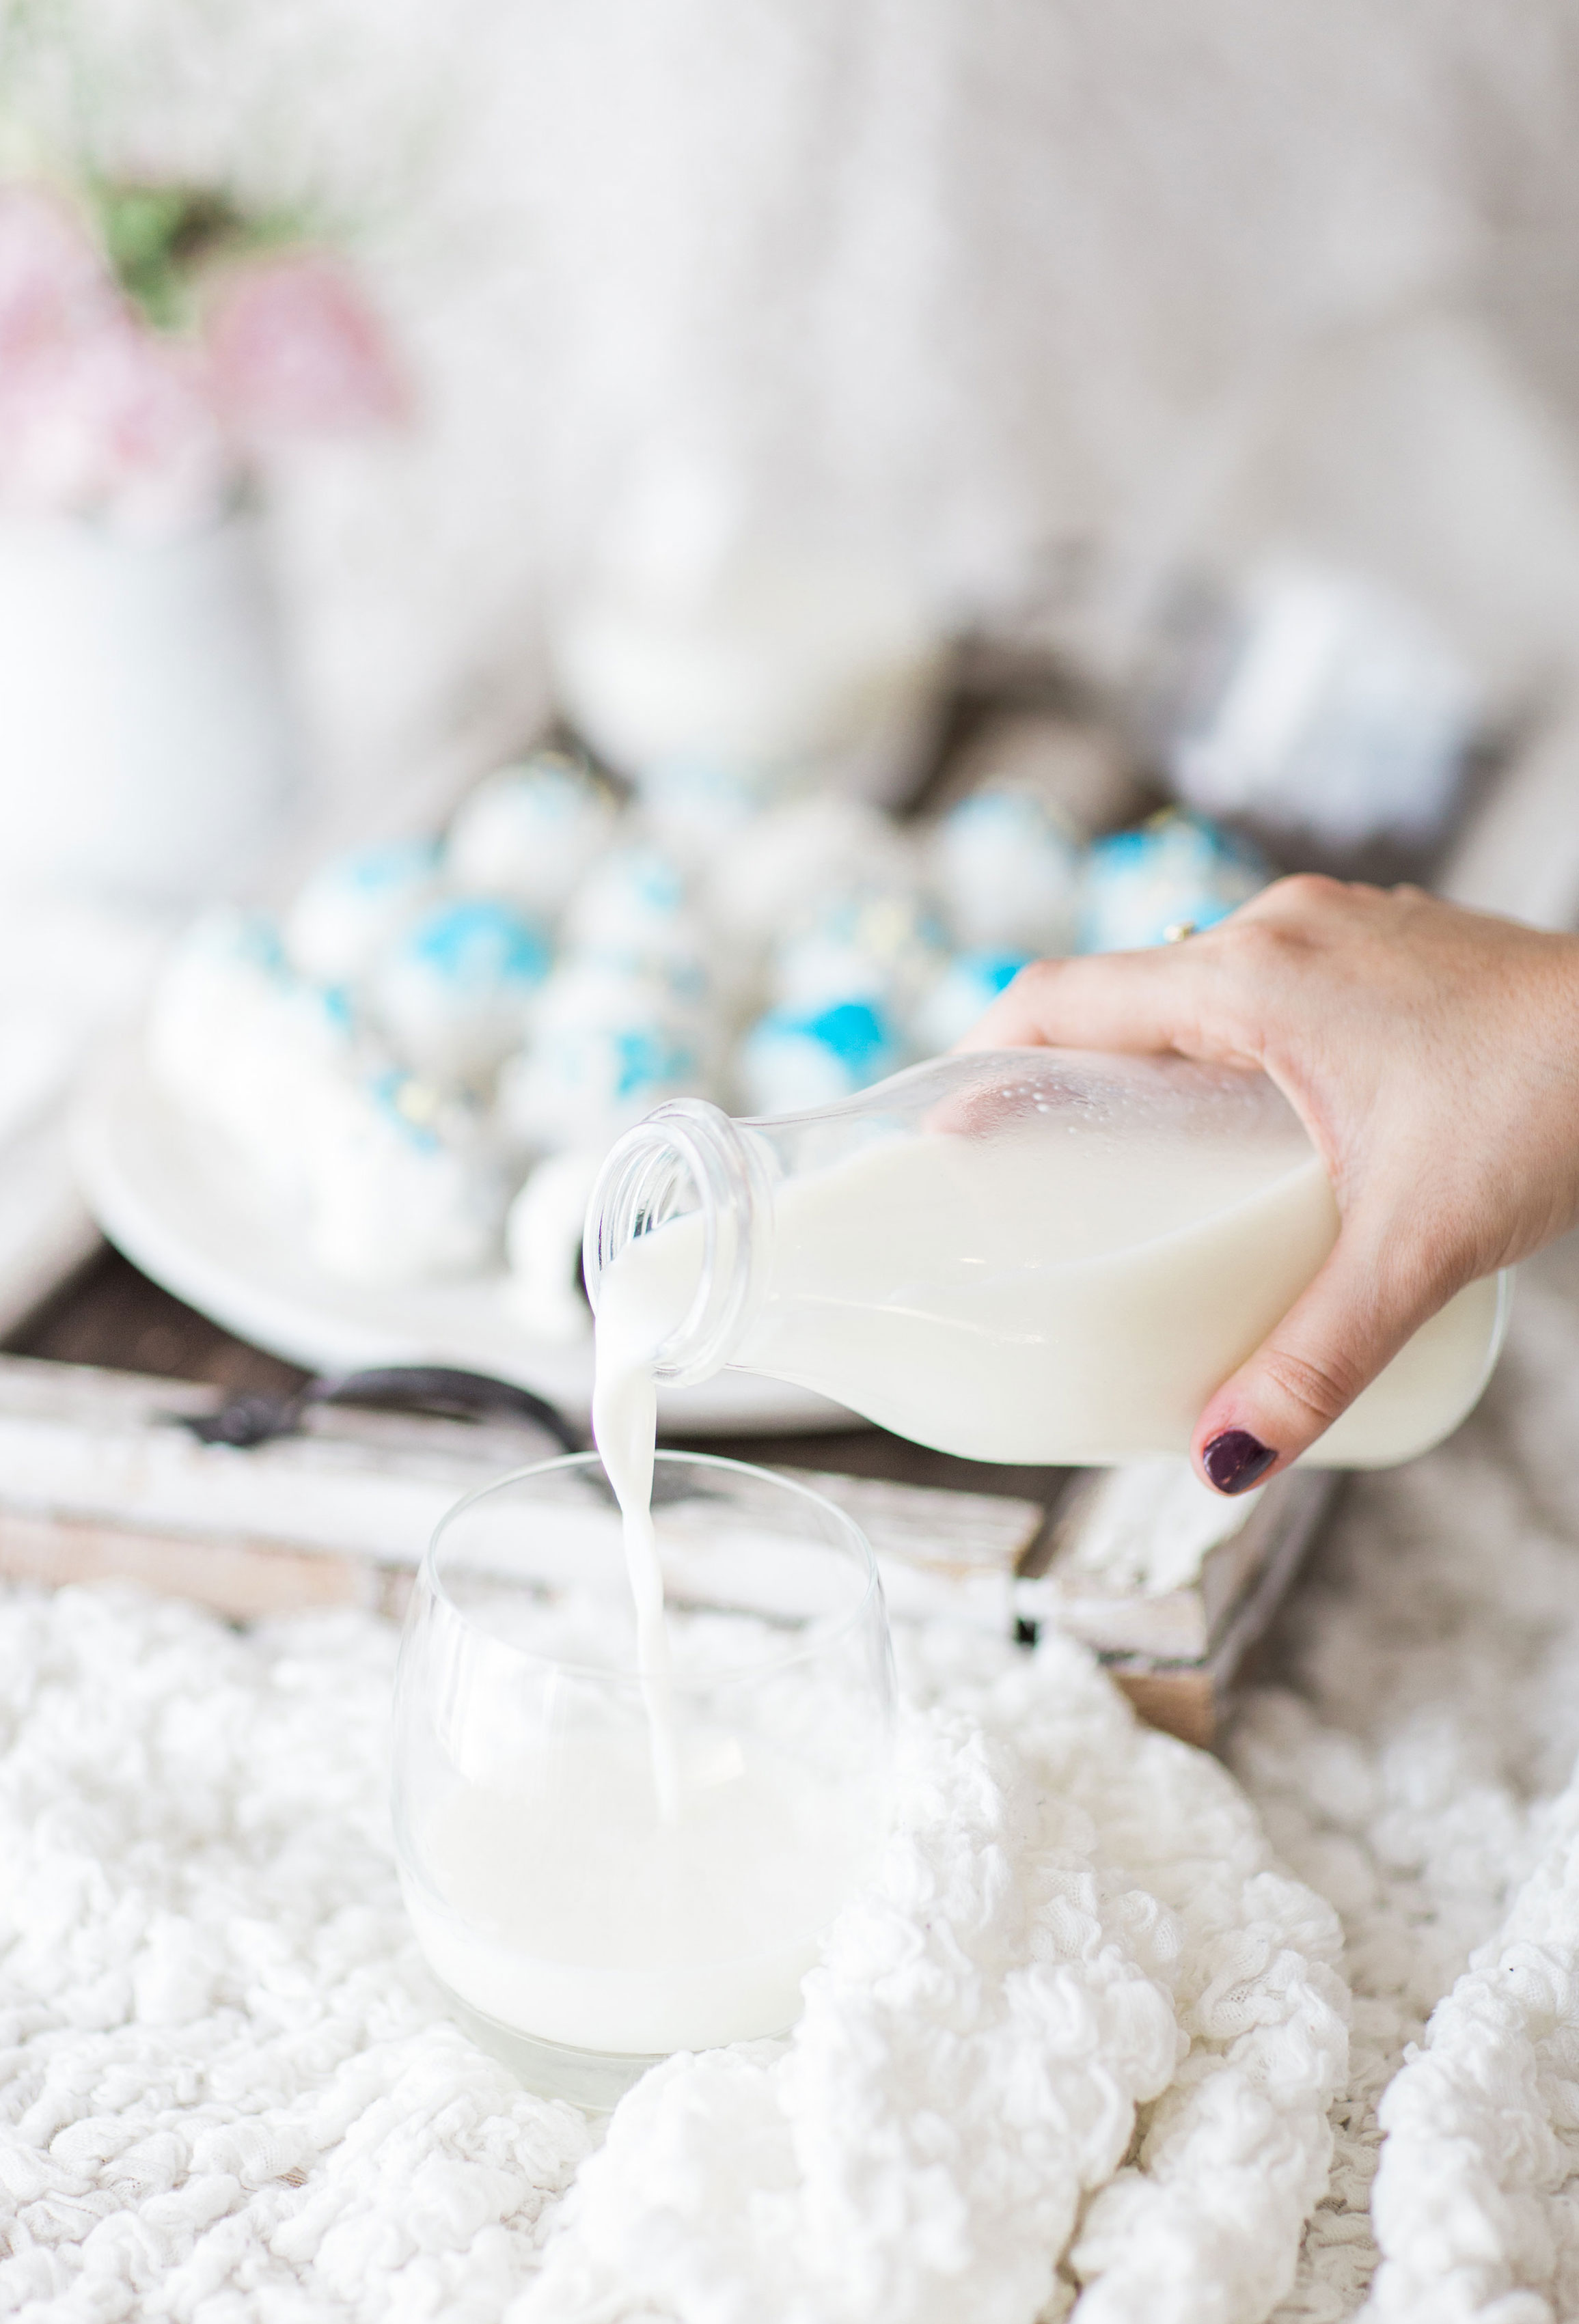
[
  {"x": 257, "y": 941},
  {"x": 994, "y": 971},
  {"x": 852, "y": 1030},
  {"x": 480, "y": 941},
  {"x": 657, "y": 883},
  {"x": 647, "y": 1061},
  {"x": 393, "y": 865}
]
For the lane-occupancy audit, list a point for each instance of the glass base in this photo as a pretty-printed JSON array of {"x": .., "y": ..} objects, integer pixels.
[{"x": 596, "y": 2081}]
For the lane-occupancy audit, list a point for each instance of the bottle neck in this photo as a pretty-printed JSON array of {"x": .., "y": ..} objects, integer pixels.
[{"x": 687, "y": 1158}]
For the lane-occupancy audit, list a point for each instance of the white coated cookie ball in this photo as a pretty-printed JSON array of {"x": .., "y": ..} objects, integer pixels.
[
  {"x": 217, "y": 981},
  {"x": 531, "y": 831},
  {"x": 883, "y": 944},
  {"x": 698, "y": 806},
  {"x": 670, "y": 964},
  {"x": 793, "y": 1059},
  {"x": 458, "y": 991},
  {"x": 303, "y": 1053},
  {"x": 242, "y": 1045},
  {"x": 781, "y": 865},
  {"x": 353, "y": 906},
  {"x": 637, "y": 897},
  {"x": 1008, "y": 872},
  {"x": 403, "y": 1189},
  {"x": 584, "y": 1078},
  {"x": 1177, "y": 871}
]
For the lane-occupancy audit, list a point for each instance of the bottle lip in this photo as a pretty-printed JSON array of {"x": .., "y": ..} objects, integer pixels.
[{"x": 687, "y": 1138}]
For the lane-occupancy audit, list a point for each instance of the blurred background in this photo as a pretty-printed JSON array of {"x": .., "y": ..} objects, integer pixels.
[
  {"x": 957, "y": 281},
  {"x": 1095, "y": 410}
]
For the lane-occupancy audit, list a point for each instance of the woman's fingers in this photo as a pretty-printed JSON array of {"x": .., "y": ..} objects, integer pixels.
[
  {"x": 1215, "y": 996},
  {"x": 1349, "y": 1322},
  {"x": 1133, "y": 1000}
]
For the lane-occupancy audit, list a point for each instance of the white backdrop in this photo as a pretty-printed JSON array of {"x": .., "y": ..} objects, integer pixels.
[{"x": 951, "y": 274}]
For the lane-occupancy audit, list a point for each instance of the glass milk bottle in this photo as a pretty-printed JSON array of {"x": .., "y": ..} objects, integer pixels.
[{"x": 1028, "y": 1255}]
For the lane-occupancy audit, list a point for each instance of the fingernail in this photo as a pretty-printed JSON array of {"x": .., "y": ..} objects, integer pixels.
[{"x": 1236, "y": 1460}]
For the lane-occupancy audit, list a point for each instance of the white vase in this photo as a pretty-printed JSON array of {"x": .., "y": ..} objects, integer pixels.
[{"x": 147, "y": 747}]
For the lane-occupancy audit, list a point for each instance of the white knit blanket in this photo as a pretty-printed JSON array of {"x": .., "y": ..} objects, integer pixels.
[{"x": 1080, "y": 2049}]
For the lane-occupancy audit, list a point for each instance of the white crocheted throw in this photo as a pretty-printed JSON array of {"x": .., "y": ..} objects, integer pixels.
[{"x": 1115, "y": 2034}]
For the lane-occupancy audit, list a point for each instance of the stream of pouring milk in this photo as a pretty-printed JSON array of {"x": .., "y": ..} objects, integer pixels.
[{"x": 624, "y": 1428}]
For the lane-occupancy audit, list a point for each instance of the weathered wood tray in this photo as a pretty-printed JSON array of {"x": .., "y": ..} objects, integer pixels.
[{"x": 101, "y": 1477}]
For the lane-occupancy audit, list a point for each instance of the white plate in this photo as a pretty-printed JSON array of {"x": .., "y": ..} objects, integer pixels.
[{"x": 167, "y": 1193}]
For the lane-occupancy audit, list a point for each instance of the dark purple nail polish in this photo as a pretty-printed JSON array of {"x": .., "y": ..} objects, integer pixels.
[{"x": 1236, "y": 1460}]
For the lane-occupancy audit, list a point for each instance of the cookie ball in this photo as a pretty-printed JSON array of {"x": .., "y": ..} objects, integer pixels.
[
  {"x": 249, "y": 1049},
  {"x": 353, "y": 907},
  {"x": 1177, "y": 871},
  {"x": 404, "y": 1188},
  {"x": 779, "y": 865},
  {"x": 793, "y": 1059},
  {"x": 457, "y": 992},
  {"x": 605, "y": 1051},
  {"x": 531, "y": 831},
  {"x": 637, "y": 898},
  {"x": 881, "y": 943},
  {"x": 1007, "y": 872}
]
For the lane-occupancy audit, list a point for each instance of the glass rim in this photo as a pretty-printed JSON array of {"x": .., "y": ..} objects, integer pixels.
[{"x": 726, "y": 1674}]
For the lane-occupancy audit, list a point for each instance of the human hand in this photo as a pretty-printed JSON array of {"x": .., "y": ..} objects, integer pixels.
[{"x": 1433, "y": 1055}]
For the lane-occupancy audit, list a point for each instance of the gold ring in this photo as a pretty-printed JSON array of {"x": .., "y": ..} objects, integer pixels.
[{"x": 1177, "y": 930}]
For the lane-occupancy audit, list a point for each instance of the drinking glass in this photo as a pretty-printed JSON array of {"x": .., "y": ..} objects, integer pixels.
[{"x": 605, "y": 1864}]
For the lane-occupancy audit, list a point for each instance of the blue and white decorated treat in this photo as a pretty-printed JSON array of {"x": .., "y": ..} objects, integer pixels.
[
  {"x": 796, "y": 1057},
  {"x": 699, "y": 806},
  {"x": 353, "y": 906},
  {"x": 773, "y": 868},
  {"x": 402, "y": 1187},
  {"x": 879, "y": 943},
  {"x": 602, "y": 1053},
  {"x": 213, "y": 986},
  {"x": 243, "y": 1045},
  {"x": 1176, "y": 871},
  {"x": 638, "y": 897},
  {"x": 668, "y": 965},
  {"x": 964, "y": 992},
  {"x": 303, "y": 1053},
  {"x": 459, "y": 989},
  {"x": 531, "y": 831},
  {"x": 1008, "y": 872}
]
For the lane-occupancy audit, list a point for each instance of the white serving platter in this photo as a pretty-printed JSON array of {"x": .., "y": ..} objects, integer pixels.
[{"x": 167, "y": 1193}]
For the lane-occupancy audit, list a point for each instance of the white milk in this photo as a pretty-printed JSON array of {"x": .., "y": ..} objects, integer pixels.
[
  {"x": 1030, "y": 1299},
  {"x": 578, "y": 1915},
  {"x": 625, "y": 1427}
]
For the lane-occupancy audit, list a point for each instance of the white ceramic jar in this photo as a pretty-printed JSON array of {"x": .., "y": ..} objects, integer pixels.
[{"x": 147, "y": 745}]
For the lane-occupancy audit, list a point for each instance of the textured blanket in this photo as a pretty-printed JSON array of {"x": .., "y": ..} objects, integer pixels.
[{"x": 1110, "y": 2034}]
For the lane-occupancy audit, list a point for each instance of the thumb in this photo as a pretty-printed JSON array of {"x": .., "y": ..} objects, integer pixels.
[{"x": 1345, "y": 1326}]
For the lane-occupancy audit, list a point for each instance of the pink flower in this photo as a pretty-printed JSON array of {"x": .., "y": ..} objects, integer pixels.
[
  {"x": 56, "y": 293},
  {"x": 124, "y": 431},
  {"x": 97, "y": 416},
  {"x": 295, "y": 351},
  {"x": 102, "y": 416}
]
